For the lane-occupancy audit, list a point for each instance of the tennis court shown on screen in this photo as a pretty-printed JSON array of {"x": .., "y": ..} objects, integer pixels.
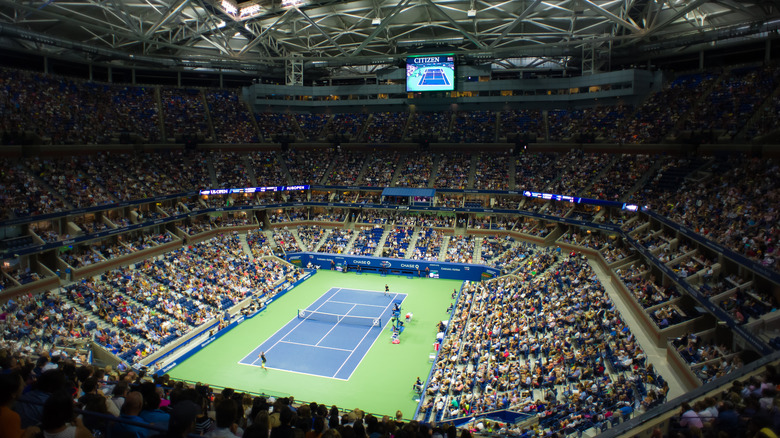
[
  {"x": 430, "y": 73},
  {"x": 334, "y": 333}
]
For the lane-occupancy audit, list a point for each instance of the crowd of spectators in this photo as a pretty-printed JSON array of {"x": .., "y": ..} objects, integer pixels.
[
  {"x": 547, "y": 342},
  {"x": 434, "y": 125},
  {"x": 336, "y": 241},
  {"x": 367, "y": 241},
  {"x": 273, "y": 124},
  {"x": 33, "y": 322},
  {"x": 660, "y": 112},
  {"x": 22, "y": 195},
  {"x": 307, "y": 166},
  {"x": 386, "y": 127},
  {"x": 231, "y": 117},
  {"x": 397, "y": 242},
  {"x": 428, "y": 244},
  {"x": 312, "y": 125},
  {"x": 493, "y": 247},
  {"x": 310, "y": 236},
  {"x": 415, "y": 171},
  {"x": 453, "y": 171},
  {"x": 230, "y": 170},
  {"x": 619, "y": 179},
  {"x": 184, "y": 112},
  {"x": 578, "y": 170},
  {"x": 521, "y": 122},
  {"x": 492, "y": 172},
  {"x": 61, "y": 110},
  {"x": 73, "y": 178},
  {"x": 380, "y": 168},
  {"x": 734, "y": 99},
  {"x": 346, "y": 169},
  {"x": 46, "y": 386},
  {"x": 460, "y": 249},
  {"x": 474, "y": 127},
  {"x": 285, "y": 240},
  {"x": 346, "y": 125}
]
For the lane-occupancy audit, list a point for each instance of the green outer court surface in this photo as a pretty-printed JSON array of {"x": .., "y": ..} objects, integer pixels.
[{"x": 381, "y": 384}]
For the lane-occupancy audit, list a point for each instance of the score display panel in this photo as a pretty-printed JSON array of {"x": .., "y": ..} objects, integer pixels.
[{"x": 430, "y": 73}]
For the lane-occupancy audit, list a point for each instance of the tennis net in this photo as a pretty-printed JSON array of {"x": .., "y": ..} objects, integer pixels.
[{"x": 336, "y": 318}]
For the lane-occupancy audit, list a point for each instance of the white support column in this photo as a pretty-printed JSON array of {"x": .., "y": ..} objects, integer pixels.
[{"x": 294, "y": 72}]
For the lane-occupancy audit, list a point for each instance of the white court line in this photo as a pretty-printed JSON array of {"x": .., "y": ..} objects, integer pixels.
[
  {"x": 359, "y": 304},
  {"x": 331, "y": 329},
  {"x": 361, "y": 341},
  {"x": 314, "y": 346},
  {"x": 288, "y": 331},
  {"x": 364, "y": 290},
  {"x": 296, "y": 372}
]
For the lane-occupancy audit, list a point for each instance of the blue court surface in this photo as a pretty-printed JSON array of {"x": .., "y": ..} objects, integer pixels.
[
  {"x": 328, "y": 346},
  {"x": 434, "y": 76}
]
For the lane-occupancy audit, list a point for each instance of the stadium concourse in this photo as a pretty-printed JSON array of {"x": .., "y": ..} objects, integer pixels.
[{"x": 659, "y": 285}]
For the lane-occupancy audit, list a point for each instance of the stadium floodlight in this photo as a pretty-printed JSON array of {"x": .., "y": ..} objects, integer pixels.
[
  {"x": 472, "y": 12},
  {"x": 292, "y": 3},
  {"x": 376, "y": 21},
  {"x": 229, "y": 7}
]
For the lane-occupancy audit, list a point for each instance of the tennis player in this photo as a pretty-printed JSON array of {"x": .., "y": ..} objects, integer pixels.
[
  {"x": 387, "y": 290},
  {"x": 262, "y": 359}
]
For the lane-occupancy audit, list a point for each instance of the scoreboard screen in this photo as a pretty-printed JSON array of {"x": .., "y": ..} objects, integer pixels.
[{"x": 430, "y": 73}]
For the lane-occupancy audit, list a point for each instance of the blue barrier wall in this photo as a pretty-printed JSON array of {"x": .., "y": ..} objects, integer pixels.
[{"x": 453, "y": 271}]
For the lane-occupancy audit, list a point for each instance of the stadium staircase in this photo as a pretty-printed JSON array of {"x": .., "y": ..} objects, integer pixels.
[
  {"x": 477, "y": 256},
  {"x": 601, "y": 173},
  {"x": 695, "y": 108},
  {"x": 758, "y": 112},
  {"x": 97, "y": 322},
  {"x": 545, "y": 126},
  {"x": 285, "y": 171},
  {"x": 253, "y": 120},
  {"x": 641, "y": 181},
  {"x": 404, "y": 134},
  {"x": 472, "y": 171},
  {"x": 361, "y": 134},
  {"x": 161, "y": 117},
  {"x": 245, "y": 245},
  {"x": 298, "y": 129},
  {"x": 396, "y": 174},
  {"x": 672, "y": 178},
  {"x": 328, "y": 172},
  {"x": 212, "y": 173},
  {"x": 512, "y": 164},
  {"x": 324, "y": 237},
  {"x": 362, "y": 172},
  {"x": 381, "y": 244},
  {"x": 209, "y": 121},
  {"x": 250, "y": 171},
  {"x": 47, "y": 187},
  {"x": 443, "y": 251},
  {"x": 413, "y": 242},
  {"x": 434, "y": 170},
  {"x": 298, "y": 240}
]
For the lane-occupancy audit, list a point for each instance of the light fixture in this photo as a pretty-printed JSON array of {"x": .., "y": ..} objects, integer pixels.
[
  {"x": 376, "y": 21},
  {"x": 472, "y": 12}
]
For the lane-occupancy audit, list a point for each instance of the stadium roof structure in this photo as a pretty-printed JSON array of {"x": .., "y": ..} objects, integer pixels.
[{"x": 251, "y": 35}]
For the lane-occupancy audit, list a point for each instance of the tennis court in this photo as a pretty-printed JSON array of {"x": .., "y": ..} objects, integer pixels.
[
  {"x": 334, "y": 333},
  {"x": 434, "y": 76},
  {"x": 380, "y": 384}
]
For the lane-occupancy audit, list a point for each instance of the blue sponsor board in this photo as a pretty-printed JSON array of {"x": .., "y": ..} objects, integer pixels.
[{"x": 455, "y": 271}]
